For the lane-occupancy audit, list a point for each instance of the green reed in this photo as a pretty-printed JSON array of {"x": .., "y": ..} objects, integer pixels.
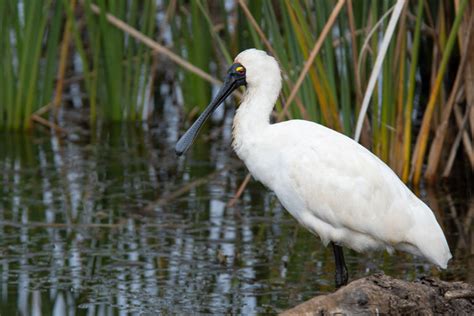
[
  {"x": 29, "y": 39},
  {"x": 329, "y": 94},
  {"x": 118, "y": 75}
]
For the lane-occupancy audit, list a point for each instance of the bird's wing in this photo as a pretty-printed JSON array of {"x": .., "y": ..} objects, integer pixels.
[{"x": 343, "y": 184}]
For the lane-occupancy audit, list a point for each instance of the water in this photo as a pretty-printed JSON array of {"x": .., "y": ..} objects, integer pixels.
[{"x": 110, "y": 222}]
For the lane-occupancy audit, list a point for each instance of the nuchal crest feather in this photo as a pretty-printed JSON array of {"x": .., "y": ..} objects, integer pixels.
[{"x": 333, "y": 186}]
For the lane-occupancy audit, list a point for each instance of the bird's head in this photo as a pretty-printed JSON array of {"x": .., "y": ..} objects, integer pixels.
[
  {"x": 260, "y": 68},
  {"x": 253, "y": 68}
]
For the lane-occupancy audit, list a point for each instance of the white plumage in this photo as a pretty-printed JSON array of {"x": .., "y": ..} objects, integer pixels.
[{"x": 332, "y": 185}]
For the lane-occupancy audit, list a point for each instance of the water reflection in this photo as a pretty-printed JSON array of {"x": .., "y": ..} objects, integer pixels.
[{"x": 115, "y": 223}]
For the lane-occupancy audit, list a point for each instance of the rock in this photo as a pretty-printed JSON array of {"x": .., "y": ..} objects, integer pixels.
[{"x": 381, "y": 294}]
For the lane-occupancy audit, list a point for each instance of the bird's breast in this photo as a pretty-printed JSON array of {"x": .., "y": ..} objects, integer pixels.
[{"x": 259, "y": 158}]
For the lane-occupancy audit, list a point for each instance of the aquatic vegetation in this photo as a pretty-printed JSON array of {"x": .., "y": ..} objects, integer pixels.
[
  {"x": 97, "y": 217},
  {"x": 29, "y": 35},
  {"x": 120, "y": 52}
]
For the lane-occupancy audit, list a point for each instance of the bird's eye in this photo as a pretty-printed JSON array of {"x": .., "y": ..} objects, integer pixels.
[{"x": 240, "y": 70}]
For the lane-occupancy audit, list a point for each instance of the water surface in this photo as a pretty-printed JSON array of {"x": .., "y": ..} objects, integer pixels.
[{"x": 111, "y": 222}]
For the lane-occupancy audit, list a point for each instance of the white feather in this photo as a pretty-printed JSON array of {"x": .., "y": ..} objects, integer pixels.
[{"x": 332, "y": 185}]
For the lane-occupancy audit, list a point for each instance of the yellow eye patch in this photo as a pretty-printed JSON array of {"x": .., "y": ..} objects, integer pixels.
[{"x": 240, "y": 69}]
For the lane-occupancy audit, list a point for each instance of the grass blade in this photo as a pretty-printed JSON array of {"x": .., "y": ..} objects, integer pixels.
[{"x": 378, "y": 64}]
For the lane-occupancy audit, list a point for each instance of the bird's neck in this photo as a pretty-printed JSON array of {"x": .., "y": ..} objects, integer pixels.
[{"x": 253, "y": 117}]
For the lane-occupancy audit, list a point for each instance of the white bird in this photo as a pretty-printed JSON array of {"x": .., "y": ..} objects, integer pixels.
[{"x": 332, "y": 185}]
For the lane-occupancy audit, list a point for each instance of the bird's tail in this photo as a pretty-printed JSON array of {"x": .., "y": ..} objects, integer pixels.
[{"x": 429, "y": 238}]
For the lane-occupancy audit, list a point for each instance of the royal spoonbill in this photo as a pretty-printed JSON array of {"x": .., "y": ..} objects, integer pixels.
[{"x": 333, "y": 186}]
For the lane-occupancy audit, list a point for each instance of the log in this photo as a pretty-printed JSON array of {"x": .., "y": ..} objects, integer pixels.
[{"x": 380, "y": 294}]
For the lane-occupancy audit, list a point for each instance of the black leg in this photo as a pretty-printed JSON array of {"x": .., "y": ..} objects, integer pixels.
[{"x": 341, "y": 271}]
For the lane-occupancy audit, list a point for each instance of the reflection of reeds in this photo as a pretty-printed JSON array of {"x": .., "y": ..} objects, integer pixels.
[
  {"x": 324, "y": 80},
  {"x": 74, "y": 221}
]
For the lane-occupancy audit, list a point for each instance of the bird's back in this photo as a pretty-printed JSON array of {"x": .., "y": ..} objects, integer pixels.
[{"x": 342, "y": 192}]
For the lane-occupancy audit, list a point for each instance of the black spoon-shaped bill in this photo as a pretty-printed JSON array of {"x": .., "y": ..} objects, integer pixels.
[{"x": 234, "y": 79}]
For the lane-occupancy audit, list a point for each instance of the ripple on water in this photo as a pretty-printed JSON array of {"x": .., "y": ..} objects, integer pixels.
[{"x": 121, "y": 224}]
